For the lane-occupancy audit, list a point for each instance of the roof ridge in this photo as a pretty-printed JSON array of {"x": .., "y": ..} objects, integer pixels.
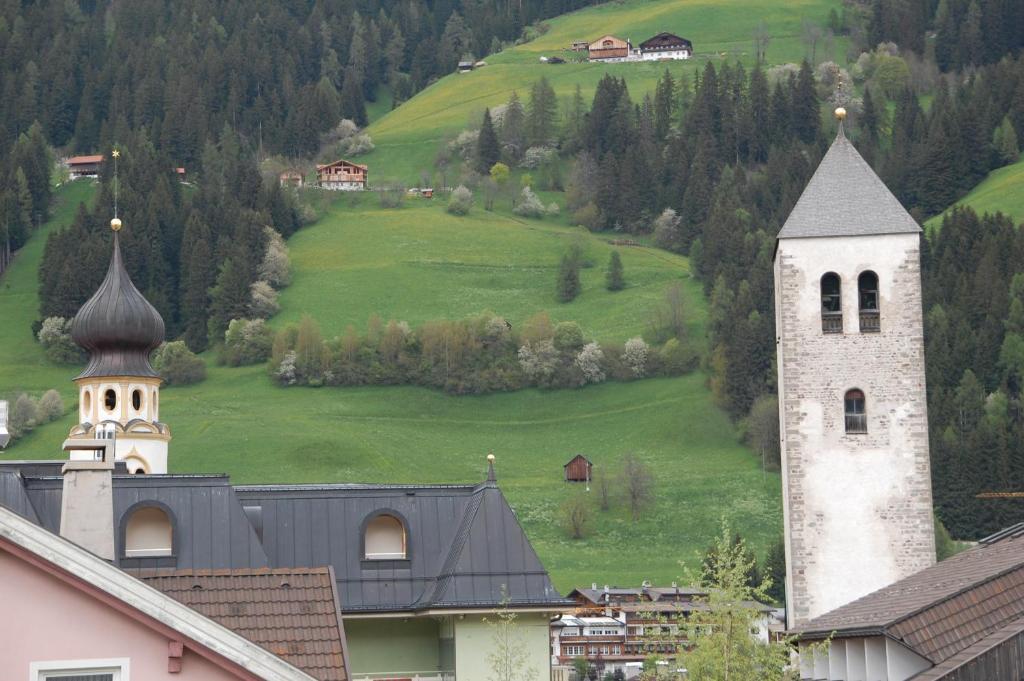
[{"x": 447, "y": 570}]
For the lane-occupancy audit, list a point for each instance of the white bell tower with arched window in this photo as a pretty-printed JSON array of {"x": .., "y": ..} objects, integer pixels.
[
  {"x": 853, "y": 413},
  {"x": 119, "y": 391}
]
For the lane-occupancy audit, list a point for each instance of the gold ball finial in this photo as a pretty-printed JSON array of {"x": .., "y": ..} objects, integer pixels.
[
  {"x": 115, "y": 224},
  {"x": 840, "y": 113},
  {"x": 490, "y": 458}
]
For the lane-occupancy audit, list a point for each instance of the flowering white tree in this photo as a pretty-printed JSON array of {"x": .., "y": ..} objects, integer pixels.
[
  {"x": 635, "y": 356},
  {"x": 589, "y": 362}
]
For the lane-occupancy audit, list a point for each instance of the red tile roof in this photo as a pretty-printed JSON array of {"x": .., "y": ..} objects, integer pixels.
[
  {"x": 82, "y": 160},
  {"x": 292, "y": 612}
]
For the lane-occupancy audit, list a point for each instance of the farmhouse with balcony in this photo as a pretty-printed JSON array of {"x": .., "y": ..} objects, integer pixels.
[
  {"x": 342, "y": 175},
  {"x": 84, "y": 166},
  {"x": 609, "y": 48},
  {"x": 617, "y": 629},
  {"x": 665, "y": 46}
]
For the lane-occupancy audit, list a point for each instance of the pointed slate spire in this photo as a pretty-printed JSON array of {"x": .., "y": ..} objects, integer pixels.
[
  {"x": 846, "y": 198},
  {"x": 118, "y": 326}
]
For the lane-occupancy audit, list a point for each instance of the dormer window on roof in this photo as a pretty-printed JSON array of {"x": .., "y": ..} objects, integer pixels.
[{"x": 385, "y": 539}]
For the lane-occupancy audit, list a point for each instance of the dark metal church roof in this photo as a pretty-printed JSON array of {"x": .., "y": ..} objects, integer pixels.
[
  {"x": 118, "y": 326},
  {"x": 465, "y": 547},
  {"x": 846, "y": 198}
]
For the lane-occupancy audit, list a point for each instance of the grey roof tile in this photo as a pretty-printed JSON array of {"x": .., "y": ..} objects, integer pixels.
[{"x": 846, "y": 198}]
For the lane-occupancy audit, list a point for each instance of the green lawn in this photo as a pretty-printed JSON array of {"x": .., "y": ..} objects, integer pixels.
[
  {"x": 1002, "y": 190},
  {"x": 407, "y": 139},
  {"x": 418, "y": 263}
]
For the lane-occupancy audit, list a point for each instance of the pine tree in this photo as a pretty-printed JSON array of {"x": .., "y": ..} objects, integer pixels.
[
  {"x": 614, "y": 280},
  {"x": 513, "y": 130},
  {"x": 543, "y": 112},
  {"x": 353, "y": 105},
  {"x": 198, "y": 271},
  {"x": 806, "y": 106},
  {"x": 1004, "y": 139},
  {"x": 664, "y": 105},
  {"x": 488, "y": 149},
  {"x": 568, "y": 286}
]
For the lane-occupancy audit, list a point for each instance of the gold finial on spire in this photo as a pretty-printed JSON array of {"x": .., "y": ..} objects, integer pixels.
[
  {"x": 840, "y": 113},
  {"x": 115, "y": 224},
  {"x": 115, "y": 153}
]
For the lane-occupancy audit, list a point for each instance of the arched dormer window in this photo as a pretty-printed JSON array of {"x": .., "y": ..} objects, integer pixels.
[
  {"x": 384, "y": 538},
  {"x": 855, "y": 406},
  {"x": 867, "y": 297},
  {"x": 148, "y": 533},
  {"x": 831, "y": 304}
]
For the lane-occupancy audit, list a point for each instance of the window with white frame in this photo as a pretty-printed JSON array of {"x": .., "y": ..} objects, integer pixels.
[
  {"x": 574, "y": 651},
  {"x": 80, "y": 670}
]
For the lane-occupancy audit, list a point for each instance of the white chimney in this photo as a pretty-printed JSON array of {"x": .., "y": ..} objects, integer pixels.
[
  {"x": 87, "y": 504},
  {"x": 5, "y": 437}
]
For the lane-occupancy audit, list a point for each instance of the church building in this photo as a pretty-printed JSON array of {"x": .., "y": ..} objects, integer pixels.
[{"x": 856, "y": 476}]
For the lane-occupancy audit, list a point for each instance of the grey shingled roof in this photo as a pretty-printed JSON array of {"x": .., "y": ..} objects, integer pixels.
[
  {"x": 846, "y": 198},
  {"x": 942, "y": 610}
]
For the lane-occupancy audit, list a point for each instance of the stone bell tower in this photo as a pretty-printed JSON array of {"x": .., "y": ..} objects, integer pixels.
[
  {"x": 119, "y": 391},
  {"x": 856, "y": 476}
]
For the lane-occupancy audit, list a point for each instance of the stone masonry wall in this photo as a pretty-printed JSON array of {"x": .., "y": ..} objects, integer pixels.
[{"x": 858, "y": 507}]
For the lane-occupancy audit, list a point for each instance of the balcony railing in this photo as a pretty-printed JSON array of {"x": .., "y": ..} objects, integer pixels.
[
  {"x": 856, "y": 423},
  {"x": 832, "y": 322},
  {"x": 870, "y": 321},
  {"x": 405, "y": 676}
]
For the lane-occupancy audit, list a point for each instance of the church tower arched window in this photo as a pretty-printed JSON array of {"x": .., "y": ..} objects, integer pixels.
[
  {"x": 855, "y": 407},
  {"x": 867, "y": 297},
  {"x": 831, "y": 303}
]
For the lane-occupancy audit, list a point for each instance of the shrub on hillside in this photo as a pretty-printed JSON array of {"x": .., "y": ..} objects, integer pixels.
[
  {"x": 535, "y": 157},
  {"x": 177, "y": 364},
  {"x": 51, "y": 406},
  {"x": 529, "y": 205},
  {"x": 247, "y": 341},
  {"x": 589, "y": 361},
  {"x": 666, "y": 230},
  {"x": 55, "y": 337},
  {"x": 461, "y": 201},
  {"x": 567, "y": 287},
  {"x": 263, "y": 300},
  {"x": 588, "y": 216},
  {"x": 634, "y": 355},
  {"x": 275, "y": 268},
  {"x": 677, "y": 358}
]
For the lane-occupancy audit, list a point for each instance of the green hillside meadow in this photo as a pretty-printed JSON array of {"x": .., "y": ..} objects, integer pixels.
[
  {"x": 418, "y": 263},
  {"x": 363, "y": 259},
  {"x": 407, "y": 138},
  {"x": 1002, "y": 191}
]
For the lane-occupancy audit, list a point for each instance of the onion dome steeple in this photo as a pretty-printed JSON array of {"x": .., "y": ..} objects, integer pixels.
[{"x": 118, "y": 326}]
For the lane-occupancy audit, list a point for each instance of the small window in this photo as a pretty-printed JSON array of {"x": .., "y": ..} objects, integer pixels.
[
  {"x": 136, "y": 399},
  {"x": 385, "y": 538},
  {"x": 148, "y": 533},
  {"x": 867, "y": 296},
  {"x": 87, "y": 402},
  {"x": 110, "y": 399},
  {"x": 831, "y": 304},
  {"x": 856, "y": 415},
  {"x": 79, "y": 670}
]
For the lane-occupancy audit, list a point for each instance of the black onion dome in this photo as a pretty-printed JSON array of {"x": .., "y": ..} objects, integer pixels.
[{"x": 118, "y": 326}]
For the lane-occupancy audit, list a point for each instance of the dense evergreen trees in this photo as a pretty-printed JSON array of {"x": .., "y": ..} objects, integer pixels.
[{"x": 278, "y": 73}]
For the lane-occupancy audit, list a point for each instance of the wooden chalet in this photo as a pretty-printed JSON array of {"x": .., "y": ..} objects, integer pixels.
[
  {"x": 291, "y": 178},
  {"x": 579, "y": 469},
  {"x": 666, "y": 46},
  {"x": 180, "y": 173},
  {"x": 609, "y": 47},
  {"x": 466, "y": 65},
  {"x": 342, "y": 175},
  {"x": 580, "y": 45},
  {"x": 84, "y": 166}
]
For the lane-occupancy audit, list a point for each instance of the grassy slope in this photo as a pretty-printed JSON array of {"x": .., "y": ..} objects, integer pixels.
[
  {"x": 1002, "y": 190},
  {"x": 364, "y": 259},
  {"x": 419, "y": 263},
  {"x": 407, "y": 138}
]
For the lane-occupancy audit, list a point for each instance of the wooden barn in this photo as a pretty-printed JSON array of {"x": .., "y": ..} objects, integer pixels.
[
  {"x": 579, "y": 469},
  {"x": 580, "y": 45},
  {"x": 84, "y": 166},
  {"x": 342, "y": 175},
  {"x": 609, "y": 47},
  {"x": 291, "y": 178}
]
